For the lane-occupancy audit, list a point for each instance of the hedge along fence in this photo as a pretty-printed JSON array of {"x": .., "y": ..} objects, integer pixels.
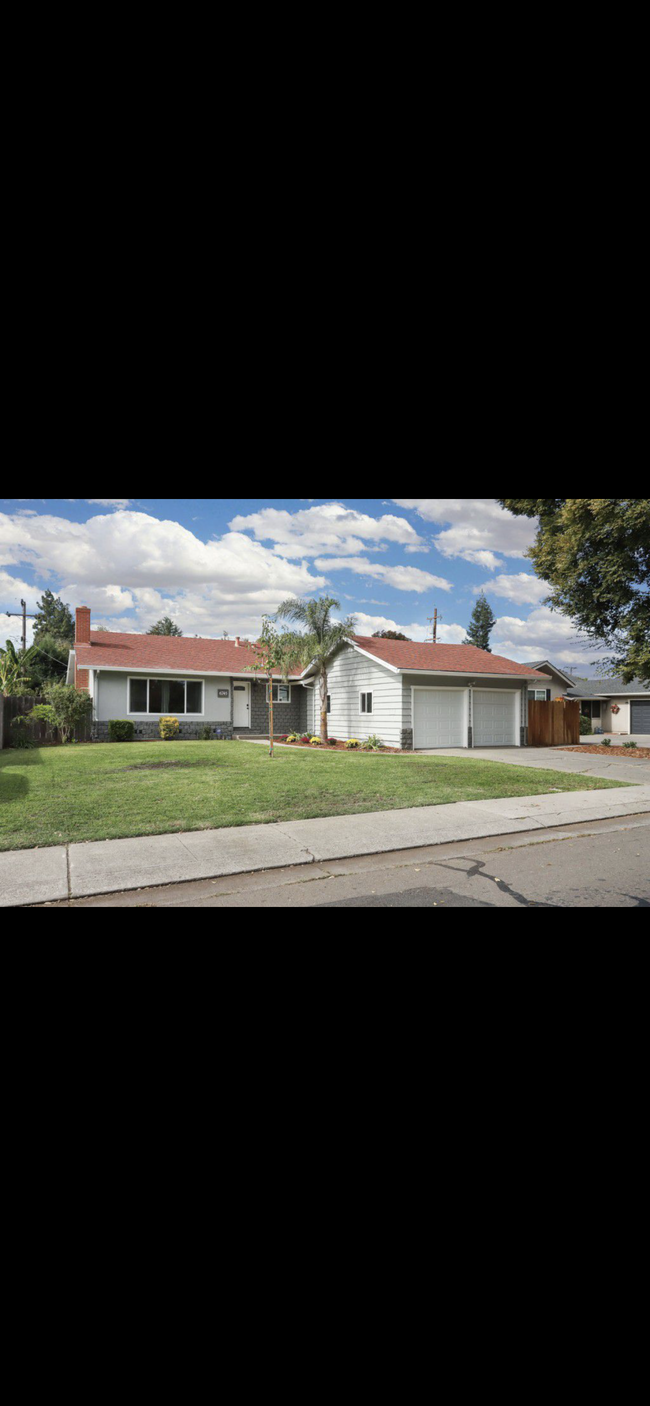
[{"x": 41, "y": 734}]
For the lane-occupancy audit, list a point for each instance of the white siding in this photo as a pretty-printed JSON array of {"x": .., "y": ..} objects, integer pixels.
[{"x": 350, "y": 675}]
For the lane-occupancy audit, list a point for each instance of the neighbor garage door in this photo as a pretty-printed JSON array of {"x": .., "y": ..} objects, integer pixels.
[
  {"x": 496, "y": 718},
  {"x": 439, "y": 717},
  {"x": 641, "y": 717}
]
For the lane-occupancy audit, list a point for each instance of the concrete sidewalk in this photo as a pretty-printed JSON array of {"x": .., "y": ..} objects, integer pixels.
[{"x": 112, "y": 866}]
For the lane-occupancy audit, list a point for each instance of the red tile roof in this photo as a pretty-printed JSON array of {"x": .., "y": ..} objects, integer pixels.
[
  {"x": 444, "y": 658},
  {"x": 166, "y": 653}
]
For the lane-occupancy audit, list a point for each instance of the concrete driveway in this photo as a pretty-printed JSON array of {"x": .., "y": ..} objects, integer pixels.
[{"x": 555, "y": 759}]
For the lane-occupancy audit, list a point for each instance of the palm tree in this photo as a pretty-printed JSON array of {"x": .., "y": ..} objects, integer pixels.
[{"x": 322, "y": 639}]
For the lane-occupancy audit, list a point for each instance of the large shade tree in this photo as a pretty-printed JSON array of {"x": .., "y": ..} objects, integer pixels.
[
  {"x": 595, "y": 555},
  {"x": 321, "y": 640}
]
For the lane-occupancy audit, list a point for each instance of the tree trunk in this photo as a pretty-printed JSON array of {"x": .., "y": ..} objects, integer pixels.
[
  {"x": 271, "y": 739},
  {"x": 324, "y": 736}
]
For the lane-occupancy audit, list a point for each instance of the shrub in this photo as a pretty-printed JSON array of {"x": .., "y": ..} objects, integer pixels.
[
  {"x": 353, "y": 745},
  {"x": 121, "y": 730},
  {"x": 206, "y": 735},
  {"x": 631, "y": 746},
  {"x": 169, "y": 729},
  {"x": 586, "y": 727},
  {"x": 66, "y": 709},
  {"x": 19, "y": 738},
  {"x": 373, "y": 744},
  {"x": 606, "y": 742}
]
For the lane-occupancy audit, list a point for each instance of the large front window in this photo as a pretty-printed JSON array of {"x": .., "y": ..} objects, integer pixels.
[{"x": 160, "y": 697}]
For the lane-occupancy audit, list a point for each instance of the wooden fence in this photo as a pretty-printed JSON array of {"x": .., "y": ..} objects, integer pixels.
[
  {"x": 554, "y": 724},
  {"x": 40, "y": 733}
]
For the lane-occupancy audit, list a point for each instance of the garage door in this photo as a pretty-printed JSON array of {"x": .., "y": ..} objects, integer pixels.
[
  {"x": 641, "y": 717},
  {"x": 439, "y": 717},
  {"x": 496, "y": 718}
]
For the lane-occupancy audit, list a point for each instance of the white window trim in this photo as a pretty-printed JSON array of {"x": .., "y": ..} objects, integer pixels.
[
  {"x": 363, "y": 693},
  {"x": 539, "y": 695},
  {"x": 279, "y": 702},
  {"x": 156, "y": 678}
]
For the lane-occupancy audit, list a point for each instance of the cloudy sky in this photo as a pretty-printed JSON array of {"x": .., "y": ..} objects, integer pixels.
[{"x": 219, "y": 564}]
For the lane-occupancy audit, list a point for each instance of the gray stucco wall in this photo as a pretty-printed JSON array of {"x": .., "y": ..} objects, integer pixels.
[{"x": 111, "y": 694}]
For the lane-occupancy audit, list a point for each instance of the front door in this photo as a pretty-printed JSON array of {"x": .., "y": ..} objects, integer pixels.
[{"x": 242, "y": 696}]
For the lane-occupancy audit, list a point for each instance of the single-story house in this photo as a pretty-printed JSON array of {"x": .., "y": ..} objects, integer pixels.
[
  {"x": 412, "y": 696},
  {"x": 611, "y": 705},
  {"x": 558, "y": 682}
]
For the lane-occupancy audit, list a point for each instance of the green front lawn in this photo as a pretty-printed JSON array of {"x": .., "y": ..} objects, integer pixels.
[{"x": 59, "y": 794}]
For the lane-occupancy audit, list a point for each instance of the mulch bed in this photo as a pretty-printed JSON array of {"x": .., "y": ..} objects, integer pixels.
[
  {"x": 337, "y": 747},
  {"x": 643, "y": 753}
]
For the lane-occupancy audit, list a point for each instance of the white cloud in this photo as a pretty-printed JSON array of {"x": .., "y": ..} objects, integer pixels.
[
  {"x": 161, "y": 568},
  {"x": 420, "y": 634},
  {"x": 475, "y": 528},
  {"x": 328, "y": 528},
  {"x": 401, "y": 578},
  {"x": 521, "y": 589}
]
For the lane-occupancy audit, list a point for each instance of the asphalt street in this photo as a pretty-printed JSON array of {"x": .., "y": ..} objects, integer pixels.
[{"x": 599, "y": 864}]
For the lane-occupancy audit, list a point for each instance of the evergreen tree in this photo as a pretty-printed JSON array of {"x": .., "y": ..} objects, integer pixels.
[
  {"x": 53, "y": 618},
  {"x": 482, "y": 624},
  {"x": 166, "y": 627}
]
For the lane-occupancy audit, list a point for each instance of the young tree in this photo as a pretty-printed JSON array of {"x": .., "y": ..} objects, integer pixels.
[
  {"x": 66, "y": 709},
  {"x": 481, "y": 625},
  {"x": 390, "y": 635},
  {"x": 321, "y": 641},
  {"x": 278, "y": 653},
  {"x": 53, "y": 618},
  {"x": 166, "y": 627},
  {"x": 595, "y": 555}
]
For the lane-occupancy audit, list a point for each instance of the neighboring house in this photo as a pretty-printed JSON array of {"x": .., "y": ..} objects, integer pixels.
[
  {"x": 558, "y": 685},
  {"x": 410, "y": 695},
  {"x": 613, "y": 705},
  {"x": 610, "y": 704}
]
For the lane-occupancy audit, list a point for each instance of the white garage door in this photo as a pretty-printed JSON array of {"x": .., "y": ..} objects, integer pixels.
[
  {"x": 496, "y": 718},
  {"x": 440, "y": 717}
]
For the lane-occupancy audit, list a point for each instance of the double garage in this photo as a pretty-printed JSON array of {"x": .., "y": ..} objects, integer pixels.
[{"x": 442, "y": 717}]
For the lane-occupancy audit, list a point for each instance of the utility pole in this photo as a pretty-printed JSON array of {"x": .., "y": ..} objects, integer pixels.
[
  {"x": 433, "y": 620},
  {"x": 14, "y": 615}
]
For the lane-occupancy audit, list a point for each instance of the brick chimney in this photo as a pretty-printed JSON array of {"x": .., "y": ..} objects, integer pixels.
[
  {"x": 82, "y": 636},
  {"x": 82, "y": 632}
]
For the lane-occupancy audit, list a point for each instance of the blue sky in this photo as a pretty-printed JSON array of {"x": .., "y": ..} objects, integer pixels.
[{"x": 220, "y": 564}]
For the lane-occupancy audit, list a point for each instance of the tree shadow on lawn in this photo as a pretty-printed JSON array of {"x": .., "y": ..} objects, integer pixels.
[{"x": 14, "y": 784}]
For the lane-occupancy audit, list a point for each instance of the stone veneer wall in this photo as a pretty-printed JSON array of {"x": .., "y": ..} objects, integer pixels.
[
  {"x": 150, "y": 732},
  {"x": 287, "y": 717}
]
